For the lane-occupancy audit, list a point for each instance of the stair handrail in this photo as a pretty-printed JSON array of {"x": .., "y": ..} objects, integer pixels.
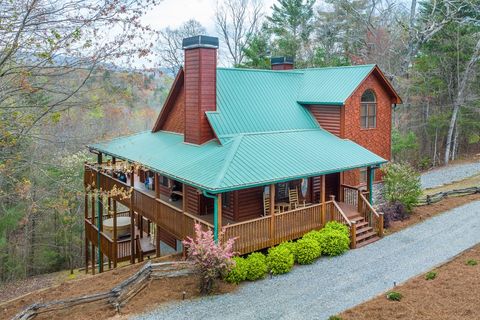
[
  {"x": 378, "y": 216},
  {"x": 342, "y": 213}
]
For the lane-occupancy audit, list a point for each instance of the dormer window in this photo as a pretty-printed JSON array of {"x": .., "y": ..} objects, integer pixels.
[{"x": 368, "y": 110}]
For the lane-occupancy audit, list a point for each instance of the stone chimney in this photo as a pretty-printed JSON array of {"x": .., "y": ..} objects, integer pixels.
[
  {"x": 281, "y": 63},
  {"x": 200, "y": 86}
]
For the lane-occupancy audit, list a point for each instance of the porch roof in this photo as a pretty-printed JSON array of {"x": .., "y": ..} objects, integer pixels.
[{"x": 245, "y": 160}]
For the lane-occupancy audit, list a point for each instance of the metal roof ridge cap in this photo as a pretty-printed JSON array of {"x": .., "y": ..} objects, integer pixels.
[
  {"x": 339, "y": 67},
  {"x": 228, "y": 159},
  {"x": 296, "y": 71}
]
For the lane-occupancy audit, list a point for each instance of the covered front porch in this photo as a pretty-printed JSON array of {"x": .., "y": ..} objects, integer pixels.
[{"x": 259, "y": 217}]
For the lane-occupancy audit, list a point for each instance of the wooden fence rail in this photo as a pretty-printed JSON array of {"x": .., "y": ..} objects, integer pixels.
[
  {"x": 119, "y": 295},
  {"x": 434, "y": 198}
]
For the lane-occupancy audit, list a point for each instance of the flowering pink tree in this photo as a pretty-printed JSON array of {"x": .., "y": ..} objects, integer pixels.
[{"x": 212, "y": 260}]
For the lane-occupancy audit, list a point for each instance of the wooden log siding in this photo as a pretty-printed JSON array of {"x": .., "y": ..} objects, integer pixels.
[{"x": 328, "y": 117}]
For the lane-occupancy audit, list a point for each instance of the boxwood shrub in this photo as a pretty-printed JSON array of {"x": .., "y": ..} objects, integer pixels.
[
  {"x": 280, "y": 259},
  {"x": 333, "y": 242},
  {"x": 256, "y": 266},
  {"x": 334, "y": 225},
  {"x": 239, "y": 272},
  {"x": 290, "y": 246},
  {"x": 307, "y": 250}
]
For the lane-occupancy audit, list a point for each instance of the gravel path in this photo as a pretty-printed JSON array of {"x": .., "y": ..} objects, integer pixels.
[
  {"x": 332, "y": 285},
  {"x": 448, "y": 174}
]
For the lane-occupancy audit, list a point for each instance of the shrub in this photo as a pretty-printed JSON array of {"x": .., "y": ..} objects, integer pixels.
[
  {"x": 402, "y": 184},
  {"x": 393, "y": 212},
  {"x": 307, "y": 251},
  {"x": 333, "y": 242},
  {"x": 314, "y": 235},
  {"x": 430, "y": 275},
  {"x": 471, "y": 262},
  {"x": 394, "y": 296},
  {"x": 290, "y": 246},
  {"x": 280, "y": 260},
  {"x": 211, "y": 260},
  {"x": 237, "y": 273},
  {"x": 334, "y": 318},
  {"x": 256, "y": 266},
  {"x": 334, "y": 225}
]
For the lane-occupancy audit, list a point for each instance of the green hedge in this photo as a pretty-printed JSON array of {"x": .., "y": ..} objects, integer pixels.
[
  {"x": 256, "y": 266},
  {"x": 307, "y": 251},
  {"x": 280, "y": 259},
  {"x": 290, "y": 246},
  {"x": 239, "y": 272},
  {"x": 333, "y": 242}
]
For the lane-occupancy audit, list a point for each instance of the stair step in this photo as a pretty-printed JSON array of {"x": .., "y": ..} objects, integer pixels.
[
  {"x": 361, "y": 224},
  {"x": 366, "y": 236},
  {"x": 357, "y": 219},
  {"x": 368, "y": 241},
  {"x": 363, "y": 230}
]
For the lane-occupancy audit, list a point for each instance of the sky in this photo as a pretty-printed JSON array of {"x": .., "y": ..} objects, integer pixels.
[{"x": 172, "y": 13}]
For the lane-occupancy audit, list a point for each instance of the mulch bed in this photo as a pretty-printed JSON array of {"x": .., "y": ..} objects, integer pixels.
[
  {"x": 453, "y": 294},
  {"x": 422, "y": 213}
]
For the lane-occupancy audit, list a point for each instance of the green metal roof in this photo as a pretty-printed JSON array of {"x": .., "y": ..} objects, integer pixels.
[
  {"x": 244, "y": 161},
  {"x": 265, "y": 133},
  {"x": 258, "y": 101},
  {"x": 250, "y": 100},
  {"x": 331, "y": 85}
]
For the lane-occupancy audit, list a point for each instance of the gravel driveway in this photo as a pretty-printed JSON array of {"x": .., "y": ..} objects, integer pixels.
[
  {"x": 332, "y": 285},
  {"x": 448, "y": 174}
]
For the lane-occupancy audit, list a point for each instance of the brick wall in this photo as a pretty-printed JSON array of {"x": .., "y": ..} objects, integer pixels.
[{"x": 377, "y": 139}]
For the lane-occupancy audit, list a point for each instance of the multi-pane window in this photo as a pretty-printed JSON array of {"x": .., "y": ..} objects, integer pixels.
[
  {"x": 368, "y": 110},
  {"x": 226, "y": 198},
  {"x": 363, "y": 176}
]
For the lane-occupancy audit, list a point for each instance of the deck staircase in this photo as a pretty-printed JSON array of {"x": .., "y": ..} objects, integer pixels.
[{"x": 364, "y": 233}]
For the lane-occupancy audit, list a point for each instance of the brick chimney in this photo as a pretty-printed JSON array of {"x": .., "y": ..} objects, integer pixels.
[
  {"x": 281, "y": 63},
  {"x": 200, "y": 86}
]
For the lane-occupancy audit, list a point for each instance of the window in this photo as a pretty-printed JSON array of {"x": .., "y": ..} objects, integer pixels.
[
  {"x": 368, "y": 110},
  {"x": 226, "y": 198},
  {"x": 164, "y": 181}
]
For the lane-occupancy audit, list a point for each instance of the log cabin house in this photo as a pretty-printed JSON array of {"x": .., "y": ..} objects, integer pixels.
[{"x": 264, "y": 155}]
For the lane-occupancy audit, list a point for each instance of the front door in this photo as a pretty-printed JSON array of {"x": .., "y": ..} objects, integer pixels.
[{"x": 332, "y": 185}]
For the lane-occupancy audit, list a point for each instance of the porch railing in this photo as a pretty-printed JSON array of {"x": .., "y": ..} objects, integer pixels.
[{"x": 375, "y": 219}]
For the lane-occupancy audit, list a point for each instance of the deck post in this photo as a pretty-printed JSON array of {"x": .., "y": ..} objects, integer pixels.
[
  {"x": 370, "y": 178},
  {"x": 332, "y": 198},
  {"x": 322, "y": 201},
  {"x": 157, "y": 185},
  {"x": 86, "y": 238},
  {"x": 115, "y": 234},
  {"x": 132, "y": 218},
  {"x": 272, "y": 214},
  {"x": 158, "y": 253},
  {"x": 99, "y": 215},
  {"x": 353, "y": 235}
]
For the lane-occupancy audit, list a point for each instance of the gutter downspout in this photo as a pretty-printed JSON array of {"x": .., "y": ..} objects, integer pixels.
[{"x": 215, "y": 213}]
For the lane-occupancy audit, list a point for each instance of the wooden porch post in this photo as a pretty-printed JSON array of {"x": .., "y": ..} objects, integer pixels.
[
  {"x": 332, "y": 198},
  {"x": 115, "y": 234},
  {"x": 322, "y": 201},
  {"x": 86, "y": 238},
  {"x": 93, "y": 223},
  {"x": 272, "y": 213},
  {"x": 99, "y": 214},
  {"x": 132, "y": 219},
  {"x": 158, "y": 252},
  {"x": 157, "y": 185},
  {"x": 353, "y": 235}
]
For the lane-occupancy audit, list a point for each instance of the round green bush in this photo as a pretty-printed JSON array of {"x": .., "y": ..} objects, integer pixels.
[
  {"x": 307, "y": 251},
  {"x": 280, "y": 260},
  {"x": 290, "y": 246},
  {"x": 256, "y": 266},
  {"x": 334, "y": 242},
  {"x": 314, "y": 234},
  {"x": 239, "y": 272},
  {"x": 334, "y": 225}
]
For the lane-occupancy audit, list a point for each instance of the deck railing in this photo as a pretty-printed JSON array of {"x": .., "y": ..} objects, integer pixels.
[
  {"x": 262, "y": 233},
  {"x": 374, "y": 218},
  {"x": 180, "y": 224},
  {"x": 349, "y": 194}
]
